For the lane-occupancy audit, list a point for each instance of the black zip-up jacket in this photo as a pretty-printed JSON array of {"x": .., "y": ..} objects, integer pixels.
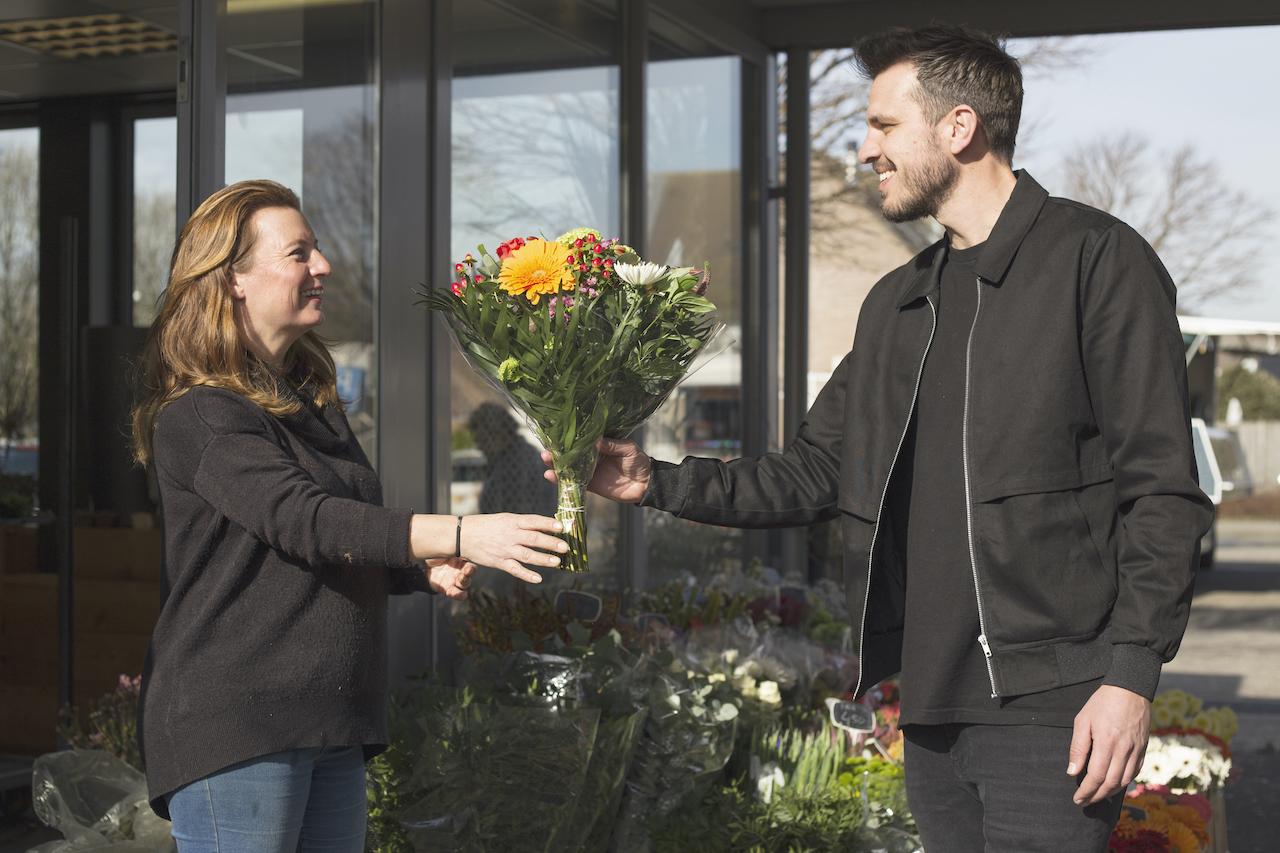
[{"x": 1084, "y": 513}]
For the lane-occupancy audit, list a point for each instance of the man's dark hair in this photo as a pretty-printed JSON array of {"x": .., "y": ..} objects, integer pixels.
[{"x": 954, "y": 65}]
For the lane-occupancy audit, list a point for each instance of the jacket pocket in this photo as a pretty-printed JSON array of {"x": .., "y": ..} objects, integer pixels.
[{"x": 1043, "y": 575}]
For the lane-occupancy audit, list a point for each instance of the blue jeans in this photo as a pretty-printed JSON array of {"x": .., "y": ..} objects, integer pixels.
[
  {"x": 1000, "y": 789},
  {"x": 309, "y": 800}
]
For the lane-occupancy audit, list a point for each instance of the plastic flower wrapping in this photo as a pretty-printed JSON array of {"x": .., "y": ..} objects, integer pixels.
[{"x": 583, "y": 337}]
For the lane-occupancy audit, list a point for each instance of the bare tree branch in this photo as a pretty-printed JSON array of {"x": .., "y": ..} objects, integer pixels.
[
  {"x": 19, "y": 291},
  {"x": 1209, "y": 238}
]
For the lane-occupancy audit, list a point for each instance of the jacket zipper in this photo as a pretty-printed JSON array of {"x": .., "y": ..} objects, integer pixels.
[
  {"x": 866, "y": 596},
  {"x": 968, "y": 500}
]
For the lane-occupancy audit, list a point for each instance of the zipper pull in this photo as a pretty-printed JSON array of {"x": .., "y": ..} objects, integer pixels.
[{"x": 986, "y": 650}]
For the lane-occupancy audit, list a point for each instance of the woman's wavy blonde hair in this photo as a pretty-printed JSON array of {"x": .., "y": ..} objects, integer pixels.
[{"x": 194, "y": 340}]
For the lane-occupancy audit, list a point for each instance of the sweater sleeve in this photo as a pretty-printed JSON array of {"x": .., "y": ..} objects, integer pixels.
[
  {"x": 787, "y": 489},
  {"x": 1136, "y": 371},
  {"x": 237, "y": 464}
]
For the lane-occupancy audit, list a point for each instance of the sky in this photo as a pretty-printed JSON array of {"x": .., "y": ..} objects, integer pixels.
[{"x": 1215, "y": 89}]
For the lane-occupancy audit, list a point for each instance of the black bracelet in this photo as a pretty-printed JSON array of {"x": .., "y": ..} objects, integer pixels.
[{"x": 457, "y": 546}]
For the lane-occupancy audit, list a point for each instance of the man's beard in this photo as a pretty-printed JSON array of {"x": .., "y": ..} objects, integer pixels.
[{"x": 924, "y": 189}]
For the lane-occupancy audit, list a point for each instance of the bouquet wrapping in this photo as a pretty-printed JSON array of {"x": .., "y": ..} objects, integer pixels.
[{"x": 583, "y": 338}]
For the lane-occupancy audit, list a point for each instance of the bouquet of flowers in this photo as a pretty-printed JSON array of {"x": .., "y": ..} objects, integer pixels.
[{"x": 583, "y": 337}]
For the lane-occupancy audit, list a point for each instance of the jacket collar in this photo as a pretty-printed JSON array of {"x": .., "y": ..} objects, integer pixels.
[{"x": 1019, "y": 214}]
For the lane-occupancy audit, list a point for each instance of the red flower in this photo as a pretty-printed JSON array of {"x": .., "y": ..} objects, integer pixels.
[
  {"x": 458, "y": 268},
  {"x": 479, "y": 278},
  {"x": 459, "y": 287},
  {"x": 577, "y": 244},
  {"x": 608, "y": 262},
  {"x": 508, "y": 247}
]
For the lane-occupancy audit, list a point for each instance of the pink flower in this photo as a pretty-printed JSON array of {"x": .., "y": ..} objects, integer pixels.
[{"x": 1199, "y": 802}]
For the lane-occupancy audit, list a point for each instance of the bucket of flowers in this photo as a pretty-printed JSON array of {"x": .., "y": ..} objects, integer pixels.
[
  {"x": 1177, "y": 801},
  {"x": 582, "y": 337}
]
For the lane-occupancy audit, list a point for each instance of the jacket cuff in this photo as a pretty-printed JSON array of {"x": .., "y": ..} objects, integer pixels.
[
  {"x": 1135, "y": 668},
  {"x": 666, "y": 489}
]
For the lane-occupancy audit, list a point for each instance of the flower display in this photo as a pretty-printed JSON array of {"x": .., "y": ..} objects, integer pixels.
[
  {"x": 1187, "y": 761},
  {"x": 1189, "y": 748},
  {"x": 1164, "y": 824},
  {"x": 611, "y": 340},
  {"x": 1178, "y": 710}
]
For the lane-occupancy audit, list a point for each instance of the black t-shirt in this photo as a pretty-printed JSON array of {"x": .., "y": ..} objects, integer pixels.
[{"x": 944, "y": 672}]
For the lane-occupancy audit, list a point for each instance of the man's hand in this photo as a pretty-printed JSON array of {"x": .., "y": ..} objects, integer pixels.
[
  {"x": 1111, "y": 733},
  {"x": 622, "y": 474}
]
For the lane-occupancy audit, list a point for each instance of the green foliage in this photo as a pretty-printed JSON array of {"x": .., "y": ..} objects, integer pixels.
[
  {"x": 109, "y": 724},
  {"x": 677, "y": 545},
  {"x": 529, "y": 621},
  {"x": 461, "y": 439},
  {"x": 1257, "y": 391},
  {"x": 685, "y": 607}
]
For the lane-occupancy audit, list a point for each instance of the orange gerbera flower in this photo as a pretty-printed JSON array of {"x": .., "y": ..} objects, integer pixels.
[
  {"x": 539, "y": 267},
  {"x": 1190, "y": 818}
]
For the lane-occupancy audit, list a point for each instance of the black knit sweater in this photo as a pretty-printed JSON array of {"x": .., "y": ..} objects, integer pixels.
[{"x": 278, "y": 559}]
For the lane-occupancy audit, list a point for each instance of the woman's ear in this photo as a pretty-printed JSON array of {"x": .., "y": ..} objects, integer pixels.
[{"x": 237, "y": 288}]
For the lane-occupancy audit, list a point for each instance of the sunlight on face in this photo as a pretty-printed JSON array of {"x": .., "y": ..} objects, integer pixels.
[{"x": 280, "y": 297}]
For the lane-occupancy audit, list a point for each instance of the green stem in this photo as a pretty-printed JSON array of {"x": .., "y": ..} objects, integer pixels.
[{"x": 572, "y": 513}]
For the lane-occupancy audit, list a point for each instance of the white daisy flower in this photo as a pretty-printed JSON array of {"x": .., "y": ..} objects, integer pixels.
[{"x": 640, "y": 274}]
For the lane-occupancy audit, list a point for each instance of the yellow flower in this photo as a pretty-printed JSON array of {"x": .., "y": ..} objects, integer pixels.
[
  {"x": 1177, "y": 702},
  {"x": 1161, "y": 717},
  {"x": 1203, "y": 722},
  {"x": 537, "y": 268}
]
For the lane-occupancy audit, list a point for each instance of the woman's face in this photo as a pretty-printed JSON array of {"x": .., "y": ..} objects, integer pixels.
[{"x": 279, "y": 297}]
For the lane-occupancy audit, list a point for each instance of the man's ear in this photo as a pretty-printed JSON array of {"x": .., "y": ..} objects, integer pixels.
[{"x": 960, "y": 129}]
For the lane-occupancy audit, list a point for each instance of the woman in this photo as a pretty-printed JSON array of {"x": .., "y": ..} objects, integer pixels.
[{"x": 265, "y": 685}]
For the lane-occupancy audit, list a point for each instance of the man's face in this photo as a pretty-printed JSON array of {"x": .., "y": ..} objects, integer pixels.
[{"x": 917, "y": 175}]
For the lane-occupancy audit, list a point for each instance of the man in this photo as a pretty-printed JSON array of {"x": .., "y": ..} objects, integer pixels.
[{"x": 1008, "y": 448}]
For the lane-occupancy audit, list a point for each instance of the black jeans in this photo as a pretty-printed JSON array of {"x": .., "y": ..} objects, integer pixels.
[{"x": 1000, "y": 789}]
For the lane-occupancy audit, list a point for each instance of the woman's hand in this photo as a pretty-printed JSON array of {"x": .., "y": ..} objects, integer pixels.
[
  {"x": 505, "y": 540},
  {"x": 501, "y": 541},
  {"x": 622, "y": 472},
  {"x": 450, "y": 576}
]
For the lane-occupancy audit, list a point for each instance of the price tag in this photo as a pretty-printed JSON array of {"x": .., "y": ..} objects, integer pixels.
[
  {"x": 851, "y": 716},
  {"x": 582, "y": 606}
]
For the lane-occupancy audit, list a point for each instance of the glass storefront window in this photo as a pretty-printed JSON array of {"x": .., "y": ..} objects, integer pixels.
[
  {"x": 535, "y": 128},
  {"x": 302, "y": 110},
  {"x": 19, "y": 318},
  {"x": 693, "y": 140},
  {"x": 155, "y": 188}
]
